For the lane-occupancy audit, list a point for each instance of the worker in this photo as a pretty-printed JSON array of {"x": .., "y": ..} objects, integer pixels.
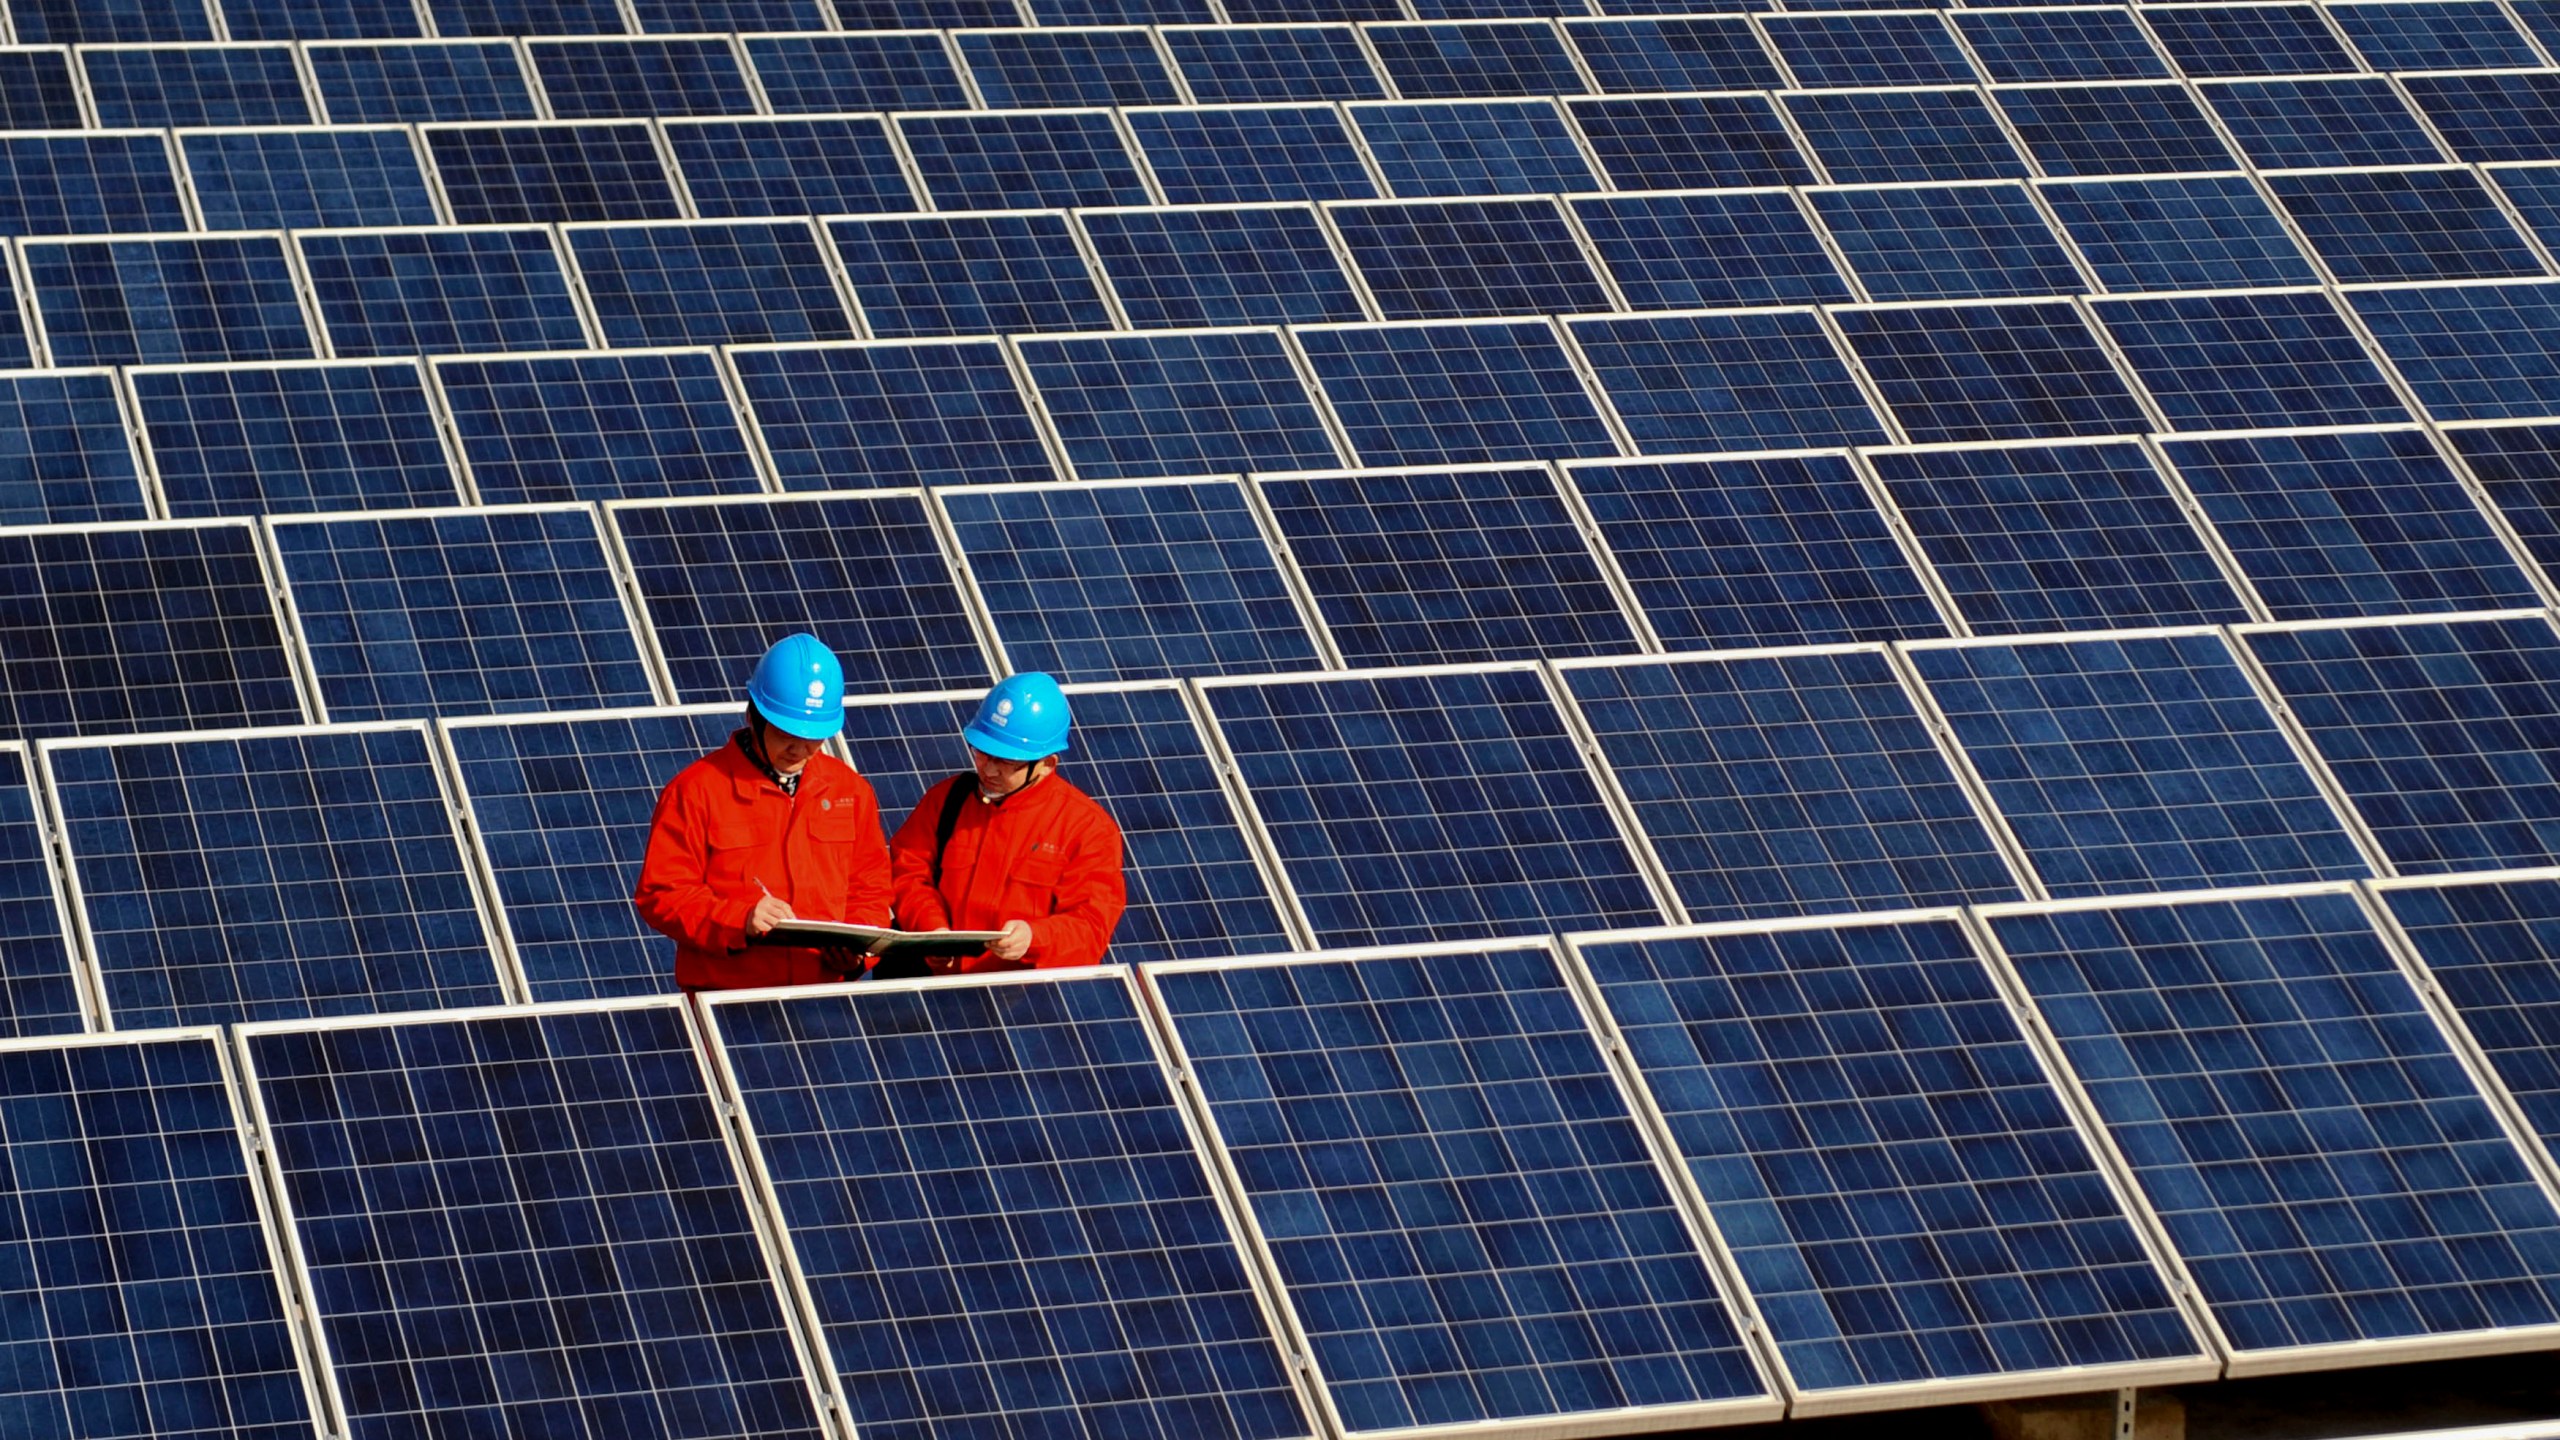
[
  {"x": 1010, "y": 846},
  {"x": 767, "y": 828}
]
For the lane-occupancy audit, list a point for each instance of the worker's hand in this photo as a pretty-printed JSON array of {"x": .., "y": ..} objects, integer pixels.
[
  {"x": 1011, "y": 943},
  {"x": 768, "y": 913}
]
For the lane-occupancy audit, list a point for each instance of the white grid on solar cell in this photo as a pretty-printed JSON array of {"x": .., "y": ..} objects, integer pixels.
[
  {"x": 2404, "y": 224},
  {"x": 320, "y": 435},
  {"x": 705, "y": 282},
  {"x": 1962, "y": 372},
  {"x": 615, "y": 426},
  {"x": 1975, "y": 241},
  {"x": 1177, "y": 402},
  {"x": 454, "y": 288},
  {"x": 2139, "y": 129},
  {"x": 413, "y": 80},
  {"x": 1725, "y": 380},
  {"x": 1462, "y": 258},
  {"x": 1254, "y": 264},
  {"x": 304, "y": 177},
  {"x": 2477, "y": 941},
  {"x": 2484, "y": 350},
  {"x": 1472, "y": 147},
  {"x": 44, "y": 989},
  {"x": 1430, "y": 392},
  {"x": 895, "y": 413},
  {"x": 221, "y": 84},
  {"x": 592, "y": 78},
  {"x": 2167, "y": 232},
  {"x": 66, "y": 451},
  {"x": 1669, "y": 142},
  {"x": 539, "y": 172},
  {"x": 169, "y": 299},
  {"x": 2234, "y": 359},
  {"x": 2321, "y": 120},
  {"x": 2270, "y": 39},
  {"x": 984, "y": 273},
  {"x": 1019, "y": 159},
  {"x": 1862, "y": 137},
  {"x": 1676, "y": 249},
  {"x": 789, "y": 165}
]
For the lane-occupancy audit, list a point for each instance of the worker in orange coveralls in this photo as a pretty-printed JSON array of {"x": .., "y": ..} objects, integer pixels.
[
  {"x": 767, "y": 828},
  {"x": 1012, "y": 847}
]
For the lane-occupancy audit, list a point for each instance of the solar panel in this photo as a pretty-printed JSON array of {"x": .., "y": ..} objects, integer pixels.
[
  {"x": 65, "y": 456},
  {"x": 2387, "y": 225},
  {"x": 924, "y": 14},
  {"x": 709, "y": 282},
  {"x": 553, "y": 1198},
  {"x": 414, "y": 292},
  {"x": 1455, "y": 392},
  {"x": 1408, "y": 806},
  {"x": 631, "y": 425},
  {"x": 2539, "y": 21},
  {"x": 1207, "y": 156},
  {"x": 2013, "y": 371},
  {"x": 725, "y": 17},
  {"x": 1454, "y": 60},
  {"x": 2439, "y": 732},
  {"x": 166, "y": 299},
  {"x": 831, "y": 165},
  {"x": 1865, "y": 137},
  {"x": 1120, "y": 12},
  {"x": 37, "y": 91},
  {"x": 2024, "y": 46},
  {"x": 1729, "y": 380},
  {"x": 319, "y": 19},
  {"x": 1472, "y": 147},
  {"x": 1229, "y": 64},
  {"x": 195, "y": 85},
  {"x": 1022, "y": 160},
  {"x": 865, "y": 573},
  {"x": 1791, "y": 783},
  {"x": 969, "y": 274},
  {"x": 2216, "y": 40},
  {"x": 1108, "y": 1296},
  {"x": 1454, "y": 258},
  {"x": 1190, "y": 402},
  {"x": 1683, "y": 52},
  {"x": 2240, "y": 359},
  {"x": 1675, "y": 252},
  {"x": 2505, "y": 116},
  {"x": 1057, "y": 69},
  {"x": 1281, "y": 12},
  {"x": 641, "y": 79},
  {"x": 2368, "y": 522},
  {"x": 1667, "y": 142},
  {"x": 429, "y": 80},
  {"x": 2150, "y": 129},
  {"x": 2178, "y": 232},
  {"x": 1195, "y": 887},
  {"x": 526, "y": 17},
  {"x": 292, "y": 438},
  {"x": 145, "y": 1283},
  {"x": 1946, "y": 242},
  {"x": 1248, "y": 265},
  {"x": 1492, "y": 1238},
  {"x": 833, "y": 74},
  {"x": 2324, "y": 1166},
  {"x": 308, "y": 178},
  {"x": 96, "y": 22},
  {"x": 2434, "y": 35},
  {"x": 2517, "y": 466},
  {"x": 460, "y": 612},
  {"x": 268, "y": 875},
  {"x": 40, "y": 993},
  {"x": 2480, "y": 941},
  {"x": 2035, "y": 538},
  {"x": 2329, "y": 120},
  {"x": 2470, "y": 351},
  {"x": 1908, "y": 47},
  {"x": 869, "y": 416},
  {"x": 535, "y": 174},
  {"x": 2534, "y": 191},
  {"x": 1908, "y": 1196},
  {"x": 96, "y": 184}
]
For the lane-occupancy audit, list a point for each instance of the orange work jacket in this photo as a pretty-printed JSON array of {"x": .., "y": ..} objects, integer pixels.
[
  {"x": 1048, "y": 855},
  {"x": 725, "y": 835}
]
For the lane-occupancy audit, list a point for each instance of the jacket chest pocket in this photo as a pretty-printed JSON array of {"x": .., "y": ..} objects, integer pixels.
[
  {"x": 733, "y": 845},
  {"x": 834, "y": 826},
  {"x": 1034, "y": 881}
]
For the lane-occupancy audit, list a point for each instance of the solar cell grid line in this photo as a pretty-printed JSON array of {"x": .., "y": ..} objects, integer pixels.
[
  {"x": 408, "y": 81},
  {"x": 991, "y": 273},
  {"x": 157, "y": 86},
  {"x": 1455, "y": 392},
  {"x": 870, "y": 15},
  {"x": 612, "y": 78},
  {"x": 1121, "y": 12},
  {"x": 308, "y": 177},
  {"x": 95, "y": 183},
  {"x": 1656, "y": 54},
  {"x": 709, "y": 282},
  {"x": 1199, "y": 885},
  {"x": 726, "y": 17},
  {"x": 2532, "y": 192},
  {"x": 2475, "y": 941},
  {"x": 2401, "y": 225},
  {"x": 2541, "y": 26},
  {"x": 787, "y": 166},
  {"x": 1023, "y": 159},
  {"x": 1241, "y": 154},
  {"x": 1067, "y": 68},
  {"x": 66, "y": 451},
  {"x": 1470, "y": 59},
  {"x": 43, "y": 989},
  {"x": 1472, "y": 1077},
  {"x": 2249, "y": 359},
  {"x": 441, "y": 291},
  {"x": 1866, "y": 49},
  {"x": 865, "y": 572},
  {"x": 294, "y": 437},
  {"x": 527, "y": 17},
  {"x": 2516, "y": 466},
  {"x": 2144, "y": 128},
  {"x": 2323, "y": 1162},
  {"x": 1268, "y": 264},
  {"x": 630, "y": 424},
  {"x": 1979, "y": 240},
  {"x": 1457, "y": 148},
  {"x": 2176, "y": 232},
  {"x": 224, "y": 876},
  {"x": 1881, "y": 136},
  {"x": 831, "y": 74},
  {"x": 1672, "y": 142},
  {"x": 1176, "y": 402},
  {"x": 1968, "y": 371},
  {"x": 321, "y": 20},
  {"x": 2321, "y": 120},
  {"x": 539, "y": 172},
  {"x": 2026, "y": 45},
  {"x": 2211, "y": 41},
  {"x": 2435, "y": 35},
  {"x": 94, "y": 22},
  {"x": 576, "y": 1245},
  {"x": 1239, "y": 64},
  {"x": 861, "y": 415},
  {"x": 37, "y": 91},
  {"x": 162, "y": 299},
  {"x": 1449, "y": 259},
  {"x": 1841, "y": 1059},
  {"x": 1709, "y": 248},
  {"x": 2469, "y": 350},
  {"x": 2488, "y": 116},
  {"x": 1730, "y": 380},
  {"x": 1112, "y": 1202}
]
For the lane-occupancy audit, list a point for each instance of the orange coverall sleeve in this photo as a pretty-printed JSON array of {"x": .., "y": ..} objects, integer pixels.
[{"x": 674, "y": 894}]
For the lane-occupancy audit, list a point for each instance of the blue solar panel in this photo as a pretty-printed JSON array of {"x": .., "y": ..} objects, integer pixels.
[
  {"x": 319, "y": 19},
  {"x": 861, "y": 417},
  {"x": 969, "y": 275},
  {"x": 534, "y": 174},
  {"x": 2151, "y": 129},
  {"x": 2040, "y": 538},
  {"x": 2023, "y": 46},
  {"x": 2483, "y": 944},
  {"x": 2509, "y": 116},
  {"x": 597, "y": 427},
  {"x": 1454, "y": 258},
  {"x": 2435, "y": 35},
  {"x": 2440, "y": 733},
  {"x": 2186, "y": 232},
  {"x": 441, "y": 80},
  {"x": 2016, "y": 371},
  {"x": 1674, "y": 252},
  {"x": 1232, "y": 65},
  {"x": 276, "y": 875},
  {"x": 460, "y": 612},
  {"x": 2404, "y": 225},
  {"x": 39, "y": 994},
  {"x": 924, "y": 14},
  {"x": 413, "y": 292},
  {"x": 1109, "y": 1267},
  {"x": 864, "y": 573},
  {"x": 1455, "y": 393},
  {"x": 145, "y": 1288},
  {"x": 307, "y": 179},
  {"x": 1746, "y": 380},
  {"x": 553, "y": 1198},
  {"x": 289, "y": 439},
  {"x": 88, "y": 185},
  {"x": 1670, "y": 142},
  {"x": 1685, "y": 52},
  {"x": 1473, "y": 147},
  {"x": 1864, "y": 137},
  {"x": 2471, "y": 352},
  {"x": 1765, "y": 550},
  {"x": 1282, "y": 12},
  {"x": 709, "y": 283},
  {"x": 1447, "y": 566},
  {"x": 1797, "y": 784},
  {"x": 167, "y": 301},
  {"x": 1058, "y": 69},
  {"x": 65, "y": 457},
  {"x": 1022, "y": 160},
  {"x": 1129, "y": 582},
  {"x": 2212, "y": 40},
  {"x": 830, "y": 74},
  {"x": 2534, "y": 190},
  {"x": 1200, "y": 402},
  {"x": 1892, "y": 48},
  {"x": 1488, "y": 1237},
  {"x": 1120, "y": 12},
  {"x": 723, "y": 17},
  {"x": 1194, "y": 886},
  {"x": 37, "y": 91},
  {"x": 1431, "y": 805},
  {"x": 1456, "y": 60},
  {"x": 2350, "y": 523},
  {"x": 612, "y": 79},
  {"x": 195, "y": 85},
  {"x": 139, "y": 628},
  {"x": 1208, "y": 156},
  {"x": 2332, "y": 120},
  {"x": 1247, "y": 266},
  {"x": 2540, "y": 20},
  {"x": 98, "y": 22},
  {"x": 1973, "y": 242},
  {"x": 2139, "y": 764},
  {"x": 526, "y": 17},
  {"x": 1907, "y": 1194},
  {"x": 2518, "y": 465},
  {"x": 2320, "y": 1160},
  {"x": 830, "y": 166},
  {"x": 2250, "y": 359}
]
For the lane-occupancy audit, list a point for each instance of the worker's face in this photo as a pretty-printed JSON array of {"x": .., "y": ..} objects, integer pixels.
[
  {"x": 787, "y": 753},
  {"x": 999, "y": 777}
]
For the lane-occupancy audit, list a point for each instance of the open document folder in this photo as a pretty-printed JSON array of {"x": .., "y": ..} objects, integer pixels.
[{"x": 875, "y": 940}]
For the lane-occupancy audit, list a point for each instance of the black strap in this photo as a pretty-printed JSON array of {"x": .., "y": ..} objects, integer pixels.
[{"x": 963, "y": 789}]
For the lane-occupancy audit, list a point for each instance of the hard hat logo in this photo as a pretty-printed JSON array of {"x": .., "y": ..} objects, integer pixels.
[
  {"x": 1023, "y": 718},
  {"x": 817, "y": 689},
  {"x": 811, "y": 711}
]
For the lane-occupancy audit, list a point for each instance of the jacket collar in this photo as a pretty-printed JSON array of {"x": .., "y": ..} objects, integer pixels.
[{"x": 817, "y": 778}]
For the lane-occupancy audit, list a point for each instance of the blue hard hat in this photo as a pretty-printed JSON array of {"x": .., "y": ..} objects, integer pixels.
[
  {"x": 1024, "y": 718},
  {"x": 799, "y": 687}
]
